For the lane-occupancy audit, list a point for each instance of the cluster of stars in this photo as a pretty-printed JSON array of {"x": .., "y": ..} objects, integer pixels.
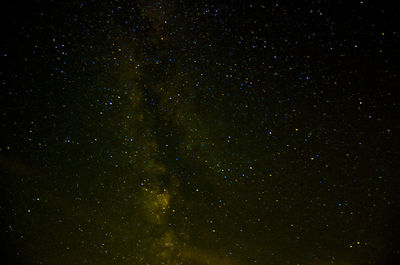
[{"x": 151, "y": 132}]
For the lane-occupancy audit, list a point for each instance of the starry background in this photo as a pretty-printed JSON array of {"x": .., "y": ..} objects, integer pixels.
[{"x": 199, "y": 132}]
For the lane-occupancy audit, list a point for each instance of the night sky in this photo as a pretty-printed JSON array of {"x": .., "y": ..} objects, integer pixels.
[{"x": 199, "y": 132}]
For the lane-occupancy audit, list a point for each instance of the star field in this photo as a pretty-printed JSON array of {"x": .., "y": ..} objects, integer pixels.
[{"x": 199, "y": 132}]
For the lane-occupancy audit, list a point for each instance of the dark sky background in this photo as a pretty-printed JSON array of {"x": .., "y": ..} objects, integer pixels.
[{"x": 199, "y": 132}]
